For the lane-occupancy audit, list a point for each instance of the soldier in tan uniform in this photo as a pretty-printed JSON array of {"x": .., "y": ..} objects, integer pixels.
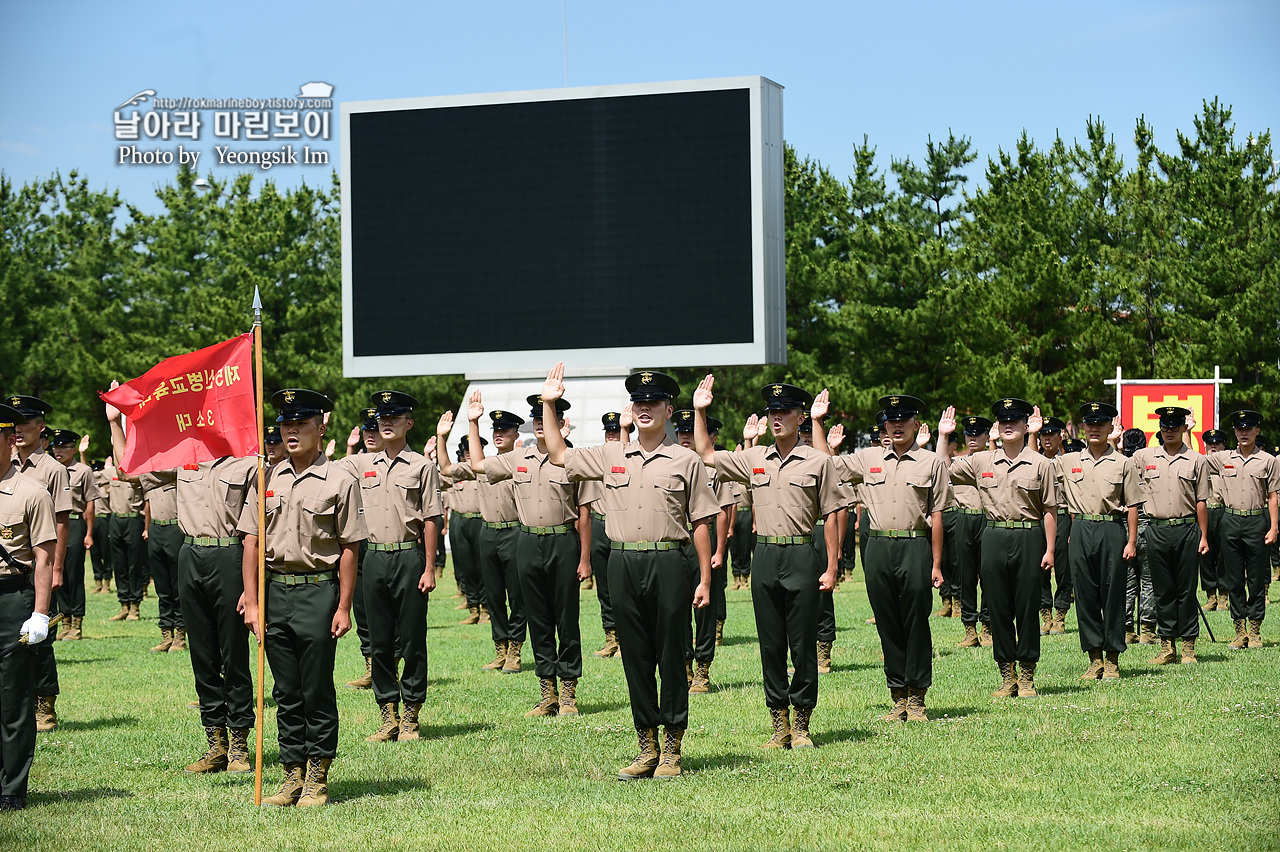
[
  {"x": 100, "y": 552},
  {"x": 314, "y": 526},
  {"x": 1055, "y": 606},
  {"x": 465, "y": 523},
  {"x": 365, "y": 438},
  {"x": 500, "y": 525},
  {"x": 826, "y": 634},
  {"x": 28, "y": 540},
  {"x": 1211, "y": 579},
  {"x": 905, "y": 489},
  {"x": 968, "y": 522},
  {"x": 1250, "y": 484},
  {"x": 553, "y": 551},
  {"x": 164, "y": 541},
  {"x": 1103, "y": 492},
  {"x": 400, "y": 493},
  {"x": 700, "y": 652},
  {"x": 1017, "y": 489},
  {"x": 274, "y": 444},
  {"x": 210, "y": 498},
  {"x": 126, "y": 501},
  {"x": 31, "y": 460},
  {"x": 1177, "y": 534},
  {"x": 792, "y": 488},
  {"x": 656, "y": 500},
  {"x": 614, "y": 431},
  {"x": 84, "y": 494}
]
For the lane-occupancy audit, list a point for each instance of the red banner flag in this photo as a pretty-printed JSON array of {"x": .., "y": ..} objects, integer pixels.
[
  {"x": 190, "y": 408},
  {"x": 1139, "y": 401}
]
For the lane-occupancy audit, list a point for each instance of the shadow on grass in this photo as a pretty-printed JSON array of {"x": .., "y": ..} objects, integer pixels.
[
  {"x": 856, "y": 667},
  {"x": 88, "y": 795},
  {"x": 438, "y": 732},
  {"x": 846, "y": 735},
  {"x": 602, "y": 706},
  {"x": 95, "y": 724},
  {"x": 739, "y": 640},
  {"x": 937, "y": 712},
  {"x": 716, "y": 761},
  {"x": 69, "y": 661},
  {"x": 1065, "y": 689},
  {"x": 345, "y": 791}
]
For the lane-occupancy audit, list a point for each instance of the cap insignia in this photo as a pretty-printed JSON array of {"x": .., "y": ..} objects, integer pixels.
[
  {"x": 1093, "y": 406},
  {"x": 894, "y": 400},
  {"x": 1008, "y": 403},
  {"x": 646, "y": 378},
  {"x": 288, "y": 396},
  {"x": 15, "y": 401},
  {"x": 777, "y": 390},
  {"x": 386, "y": 396}
]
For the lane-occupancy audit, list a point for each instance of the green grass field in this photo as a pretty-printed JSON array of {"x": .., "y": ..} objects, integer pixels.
[{"x": 1167, "y": 758}]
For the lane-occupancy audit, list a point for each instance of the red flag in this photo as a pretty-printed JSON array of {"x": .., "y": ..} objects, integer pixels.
[{"x": 190, "y": 408}]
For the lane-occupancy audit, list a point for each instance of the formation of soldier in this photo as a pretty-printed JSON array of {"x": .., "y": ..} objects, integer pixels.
[{"x": 1012, "y": 509}]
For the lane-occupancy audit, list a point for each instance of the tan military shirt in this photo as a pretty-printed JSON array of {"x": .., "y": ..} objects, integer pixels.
[
  {"x": 1215, "y": 483},
  {"x": 898, "y": 493},
  {"x": 1057, "y": 481},
  {"x": 1106, "y": 486},
  {"x": 497, "y": 500},
  {"x": 790, "y": 495},
  {"x": 310, "y": 516},
  {"x": 102, "y": 479},
  {"x": 1246, "y": 480},
  {"x": 723, "y": 489},
  {"x": 26, "y": 520},
  {"x": 545, "y": 497},
  {"x": 399, "y": 495},
  {"x": 1019, "y": 489},
  {"x": 84, "y": 487},
  {"x": 647, "y": 496},
  {"x": 124, "y": 497},
  {"x": 212, "y": 495},
  {"x": 464, "y": 494},
  {"x": 48, "y": 471},
  {"x": 160, "y": 489},
  {"x": 1174, "y": 483}
]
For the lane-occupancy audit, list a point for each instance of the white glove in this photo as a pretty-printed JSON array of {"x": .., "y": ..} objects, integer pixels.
[{"x": 35, "y": 628}]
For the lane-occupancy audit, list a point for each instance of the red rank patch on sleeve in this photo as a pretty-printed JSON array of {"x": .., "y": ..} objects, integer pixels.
[
  {"x": 1077, "y": 470},
  {"x": 986, "y": 474},
  {"x": 616, "y": 469},
  {"x": 271, "y": 493},
  {"x": 522, "y": 470},
  {"x": 369, "y": 473},
  {"x": 757, "y": 470},
  {"x": 191, "y": 467}
]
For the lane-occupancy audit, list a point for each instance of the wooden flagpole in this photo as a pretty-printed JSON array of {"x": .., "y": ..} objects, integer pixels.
[{"x": 262, "y": 550}]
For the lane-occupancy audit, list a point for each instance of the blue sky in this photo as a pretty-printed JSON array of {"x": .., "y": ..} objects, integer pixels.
[{"x": 894, "y": 71}]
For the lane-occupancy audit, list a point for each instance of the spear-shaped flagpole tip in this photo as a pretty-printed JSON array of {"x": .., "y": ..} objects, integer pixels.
[{"x": 257, "y": 306}]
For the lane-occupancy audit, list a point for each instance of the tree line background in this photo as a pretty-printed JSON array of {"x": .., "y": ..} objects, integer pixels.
[{"x": 1063, "y": 264}]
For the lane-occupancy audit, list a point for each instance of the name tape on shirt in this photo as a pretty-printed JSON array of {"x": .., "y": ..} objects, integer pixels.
[
  {"x": 271, "y": 493},
  {"x": 522, "y": 469},
  {"x": 877, "y": 470},
  {"x": 1151, "y": 467},
  {"x": 757, "y": 470},
  {"x": 1077, "y": 470},
  {"x": 986, "y": 474},
  {"x": 369, "y": 473},
  {"x": 191, "y": 467},
  {"x": 616, "y": 469}
]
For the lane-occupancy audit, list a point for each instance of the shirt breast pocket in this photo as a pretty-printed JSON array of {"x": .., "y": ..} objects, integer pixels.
[
  {"x": 316, "y": 521},
  {"x": 409, "y": 492},
  {"x": 760, "y": 484},
  {"x": 673, "y": 490},
  {"x": 370, "y": 492},
  {"x": 616, "y": 490},
  {"x": 232, "y": 493},
  {"x": 808, "y": 484},
  {"x": 13, "y": 527}
]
